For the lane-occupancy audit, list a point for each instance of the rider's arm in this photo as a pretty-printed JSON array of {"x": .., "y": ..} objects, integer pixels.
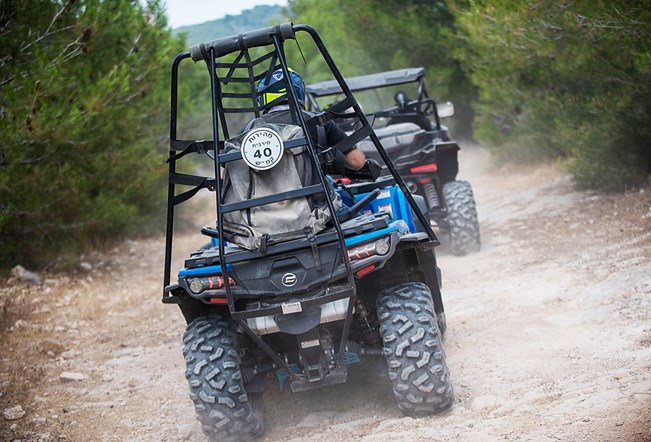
[{"x": 355, "y": 158}]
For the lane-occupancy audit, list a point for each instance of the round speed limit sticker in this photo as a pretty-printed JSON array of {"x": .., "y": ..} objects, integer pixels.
[{"x": 262, "y": 148}]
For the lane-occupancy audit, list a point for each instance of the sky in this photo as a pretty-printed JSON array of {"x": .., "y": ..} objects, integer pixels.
[{"x": 192, "y": 12}]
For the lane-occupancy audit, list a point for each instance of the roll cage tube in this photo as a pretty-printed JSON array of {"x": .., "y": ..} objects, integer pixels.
[
  {"x": 424, "y": 97},
  {"x": 259, "y": 37},
  {"x": 209, "y": 52},
  {"x": 172, "y": 166},
  {"x": 323, "y": 179}
]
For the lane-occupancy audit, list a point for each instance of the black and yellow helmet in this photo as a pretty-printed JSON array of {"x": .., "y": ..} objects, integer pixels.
[{"x": 275, "y": 88}]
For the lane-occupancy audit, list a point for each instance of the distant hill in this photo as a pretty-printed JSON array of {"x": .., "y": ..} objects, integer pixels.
[{"x": 257, "y": 17}]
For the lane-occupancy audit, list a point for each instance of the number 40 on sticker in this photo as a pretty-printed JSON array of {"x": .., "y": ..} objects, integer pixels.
[{"x": 262, "y": 148}]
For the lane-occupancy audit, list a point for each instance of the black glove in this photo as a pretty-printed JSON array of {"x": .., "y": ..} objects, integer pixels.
[
  {"x": 374, "y": 168},
  {"x": 369, "y": 172}
]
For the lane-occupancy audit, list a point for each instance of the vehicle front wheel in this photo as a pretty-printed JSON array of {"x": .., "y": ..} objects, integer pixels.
[
  {"x": 216, "y": 388},
  {"x": 462, "y": 217},
  {"x": 413, "y": 349}
]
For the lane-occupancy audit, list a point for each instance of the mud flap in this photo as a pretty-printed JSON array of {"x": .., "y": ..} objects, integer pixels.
[{"x": 446, "y": 157}]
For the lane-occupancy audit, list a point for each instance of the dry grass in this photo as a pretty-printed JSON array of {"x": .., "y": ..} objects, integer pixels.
[{"x": 14, "y": 307}]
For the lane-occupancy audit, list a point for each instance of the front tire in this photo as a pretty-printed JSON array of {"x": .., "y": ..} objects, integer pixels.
[
  {"x": 413, "y": 349},
  {"x": 462, "y": 217},
  {"x": 216, "y": 388}
]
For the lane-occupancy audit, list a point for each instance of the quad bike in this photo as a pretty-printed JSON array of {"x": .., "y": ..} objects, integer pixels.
[
  {"x": 420, "y": 148},
  {"x": 305, "y": 306}
]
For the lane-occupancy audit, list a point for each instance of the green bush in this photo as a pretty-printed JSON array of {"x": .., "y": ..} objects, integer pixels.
[
  {"x": 563, "y": 79},
  {"x": 84, "y": 99}
]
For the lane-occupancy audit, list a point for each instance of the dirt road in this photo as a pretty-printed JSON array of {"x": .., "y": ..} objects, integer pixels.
[{"x": 549, "y": 336}]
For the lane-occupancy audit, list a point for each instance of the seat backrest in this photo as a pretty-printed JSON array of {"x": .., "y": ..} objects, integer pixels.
[{"x": 257, "y": 226}]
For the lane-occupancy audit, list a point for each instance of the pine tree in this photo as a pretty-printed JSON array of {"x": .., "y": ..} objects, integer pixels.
[{"x": 83, "y": 118}]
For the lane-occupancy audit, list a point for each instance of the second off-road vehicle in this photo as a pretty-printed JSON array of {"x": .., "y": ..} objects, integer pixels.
[{"x": 411, "y": 132}]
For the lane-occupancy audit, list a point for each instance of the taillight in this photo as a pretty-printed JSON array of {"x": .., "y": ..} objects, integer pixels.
[
  {"x": 425, "y": 168},
  {"x": 198, "y": 285},
  {"x": 380, "y": 247}
]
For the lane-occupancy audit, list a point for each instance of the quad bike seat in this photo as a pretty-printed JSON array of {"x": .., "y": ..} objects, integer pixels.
[{"x": 393, "y": 137}]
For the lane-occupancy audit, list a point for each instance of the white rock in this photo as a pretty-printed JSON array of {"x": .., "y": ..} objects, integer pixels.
[
  {"x": 68, "y": 354},
  {"x": 23, "y": 274},
  {"x": 69, "y": 376},
  {"x": 85, "y": 266},
  {"x": 13, "y": 413}
]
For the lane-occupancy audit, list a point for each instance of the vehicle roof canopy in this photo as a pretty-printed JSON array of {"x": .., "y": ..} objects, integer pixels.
[{"x": 363, "y": 82}]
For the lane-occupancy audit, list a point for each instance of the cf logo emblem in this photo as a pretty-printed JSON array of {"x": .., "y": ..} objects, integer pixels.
[{"x": 289, "y": 279}]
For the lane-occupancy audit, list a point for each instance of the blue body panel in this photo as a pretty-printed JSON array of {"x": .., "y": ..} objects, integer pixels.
[
  {"x": 204, "y": 271},
  {"x": 399, "y": 226},
  {"x": 390, "y": 200}
]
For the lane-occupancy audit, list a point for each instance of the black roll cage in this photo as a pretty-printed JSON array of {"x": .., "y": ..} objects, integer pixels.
[
  {"x": 375, "y": 81},
  {"x": 210, "y": 53}
]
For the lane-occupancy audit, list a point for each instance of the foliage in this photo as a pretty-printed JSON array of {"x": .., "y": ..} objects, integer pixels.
[
  {"x": 83, "y": 99},
  {"x": 369, "y": 36},
  {"x": 563, "y": 78},
  {"x": 328, "y": 20},
  {"x": 548, "y": 79}
]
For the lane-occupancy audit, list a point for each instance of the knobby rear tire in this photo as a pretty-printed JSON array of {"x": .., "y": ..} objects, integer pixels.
[
  {"x": 215, "y": 380},
  {"x": 413, "y": 350}
]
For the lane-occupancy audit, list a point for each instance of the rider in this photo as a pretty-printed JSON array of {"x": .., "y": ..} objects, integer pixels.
[{"x": 272, "y": 88}]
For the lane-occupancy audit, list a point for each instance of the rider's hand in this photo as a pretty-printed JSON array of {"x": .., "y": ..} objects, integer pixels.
[{"x": 355, "y": 159}]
